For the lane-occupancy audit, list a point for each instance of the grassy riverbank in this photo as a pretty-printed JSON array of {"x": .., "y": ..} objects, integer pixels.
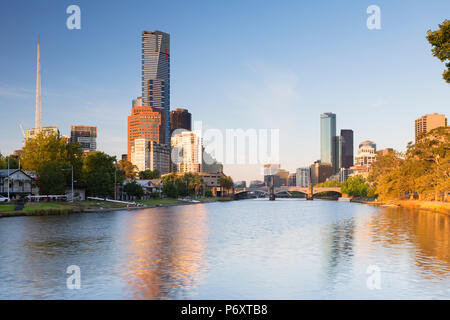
[{"x": 58, "y": 208}]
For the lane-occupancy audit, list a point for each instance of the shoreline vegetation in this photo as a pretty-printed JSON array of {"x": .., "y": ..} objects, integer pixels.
[
  {"x": 63, "y": 208},
  {"x": 431, "y": 206}
]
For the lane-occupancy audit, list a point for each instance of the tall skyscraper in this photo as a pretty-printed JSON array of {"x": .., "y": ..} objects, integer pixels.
[
  {"x": 144, "y": 122},
  {"x": 86, "y": 136},
  {"x": 156, "y": 74},
  {"x": 327, "y": 138},
  {"x": 180, "y": 119},
  {"x": 429, "y": 122},
  {"x": 347, "y": 148}
]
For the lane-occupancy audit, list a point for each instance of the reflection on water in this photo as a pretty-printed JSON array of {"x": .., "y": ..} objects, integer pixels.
[
  {"x": 291, "y": 249},
  {"x": 165, "y": 253}
]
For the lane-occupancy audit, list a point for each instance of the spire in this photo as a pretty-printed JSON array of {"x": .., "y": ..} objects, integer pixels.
[{"x": 38, "y": 112}]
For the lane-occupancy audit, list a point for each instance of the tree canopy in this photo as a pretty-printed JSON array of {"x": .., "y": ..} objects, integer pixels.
[
  {"x": 133, "y": 189},
  {"x": 98, "y": 174},
  {"x": 182, "y": 185},
  {"x": 423, "y": 171},
  {"x": 52, "y": 177},
  {"x": 149, "y": 174},
  {"x": 440, "y": 41},
  {"x": 46, "y": 148}
]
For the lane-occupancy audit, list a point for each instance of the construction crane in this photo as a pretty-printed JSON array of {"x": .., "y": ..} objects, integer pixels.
[{"x": 21, "y": 130}]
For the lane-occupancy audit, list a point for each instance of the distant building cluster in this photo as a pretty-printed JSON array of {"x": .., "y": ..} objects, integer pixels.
[{"x": 337, "y": 161}]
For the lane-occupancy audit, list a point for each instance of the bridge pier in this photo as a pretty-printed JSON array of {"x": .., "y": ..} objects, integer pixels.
[
  {"x": 271, "y": 190},
  {"x": 310, "y": 194}
]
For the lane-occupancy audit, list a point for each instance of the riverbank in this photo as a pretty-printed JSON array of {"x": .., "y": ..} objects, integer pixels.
[
  {"x": 432, "y": 206},
  {"x": 62, "y": 208}
]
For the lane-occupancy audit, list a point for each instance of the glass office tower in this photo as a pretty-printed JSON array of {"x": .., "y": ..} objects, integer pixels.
[
  {"x": 347, "y": 148},
  {"x": 327, "y": 138},
  {"x": 156, "y": 74}
]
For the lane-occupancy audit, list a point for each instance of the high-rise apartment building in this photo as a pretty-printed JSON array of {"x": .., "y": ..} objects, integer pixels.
[
  {"x": 271, "y": 169},
  {"x": 429, "y": 122},
  {"x": 329, "y": 152},
  {"x": 144, "y": 122},
  {"x": 180, "y": 119},
  {"x": 292, "y": 180},
  {"x": 188, "y": 150},
  {"x": 137, "y": 102},
  {"x": 86, "y": 136},
  {"x": 32, "y": 133},
  {"x": 385, "y": 151},
  {"x": 347, "y": 148},
  {"x": 150, "y": 155},
  {"x": 156, "y": 74},
  {"x": 280, "y": 176},
  {"x": 320, "y": 172},
  {"x": 303, "y": 177}
]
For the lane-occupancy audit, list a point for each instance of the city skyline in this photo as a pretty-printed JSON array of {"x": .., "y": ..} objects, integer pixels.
[{"x": 298, "y": 124}]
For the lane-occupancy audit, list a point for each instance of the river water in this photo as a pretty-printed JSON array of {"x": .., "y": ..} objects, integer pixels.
[{"x": 249, "y": 249}]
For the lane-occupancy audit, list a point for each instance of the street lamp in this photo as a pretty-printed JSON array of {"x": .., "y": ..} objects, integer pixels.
[
  {"x": 8, "y": 178},
  {"x": 72, "y": 181},
  {"x": 115, "y": 181}
]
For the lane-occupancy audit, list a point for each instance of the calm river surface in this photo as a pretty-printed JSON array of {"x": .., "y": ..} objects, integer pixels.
[{"x": 250, "y": 249}]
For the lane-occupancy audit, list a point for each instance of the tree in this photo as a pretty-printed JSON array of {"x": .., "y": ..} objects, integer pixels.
[
  {"x": 176, "y": 185},
  {"x": 424, "y": 170},
  {"x": 193, "y": 183},
  {"x": 149, "y": 174},
  {"x": 169, "y": 185},
  {"x": 385, "y": 175},
  {"x": 330, "y": 183},
  {"x": 98, "y": 174},
  {"x": 355, "y": 186},
  {"x": 432, "y": 154},
  {"x": 226, "y": 183},
  {"x": 440, "y": 40},
  {"x": 133, "y": 189},
  {"x": 13, "y": 162},
  {"x": 127, "y": 168},
  {"x": 50, "y": 147},
  {"x": 52, "y": 178}
]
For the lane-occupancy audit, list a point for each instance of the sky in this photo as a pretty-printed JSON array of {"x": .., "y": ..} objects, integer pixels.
[{"x": 247, "y": 64}]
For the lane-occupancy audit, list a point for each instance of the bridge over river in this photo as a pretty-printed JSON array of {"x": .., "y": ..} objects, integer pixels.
[{"x": 308, "y": 191}]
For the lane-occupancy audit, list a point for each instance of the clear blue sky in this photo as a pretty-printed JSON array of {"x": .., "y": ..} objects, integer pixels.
[{"x": 234, "y": 64}]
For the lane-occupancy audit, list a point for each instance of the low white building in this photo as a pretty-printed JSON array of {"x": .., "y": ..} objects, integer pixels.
[
  {"x": 149, "y": 186},
  {"x": 21, "y": 183},
  {"x": 366, "y": 155}
]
